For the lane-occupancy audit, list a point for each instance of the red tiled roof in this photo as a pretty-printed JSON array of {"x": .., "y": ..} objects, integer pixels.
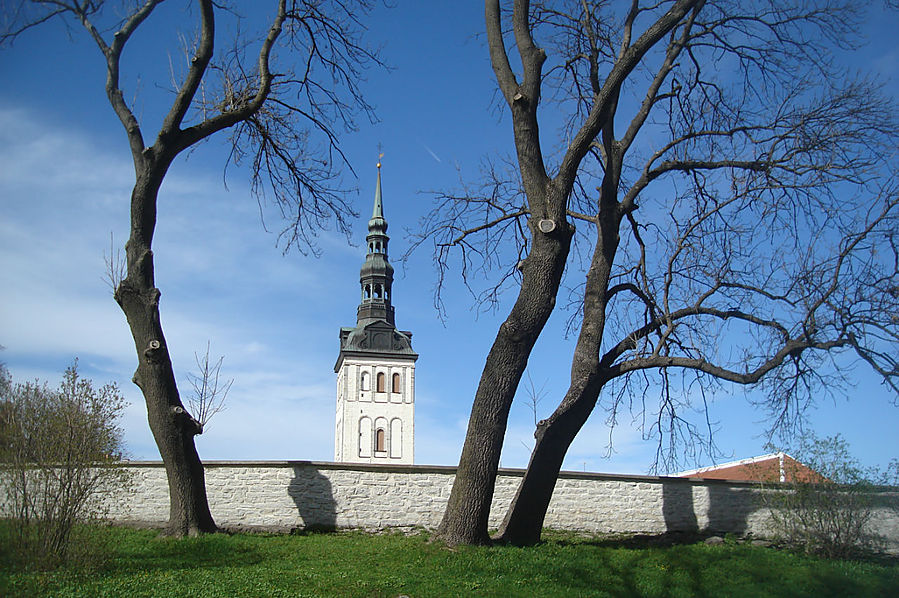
[{"x": 776, "y": 467}]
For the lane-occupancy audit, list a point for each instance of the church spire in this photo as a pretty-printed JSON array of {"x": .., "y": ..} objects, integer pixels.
[
  {"x": 376, "y": 366},
  {"x": 377, "y": 214},
  {"x": 376, "y": 275}
]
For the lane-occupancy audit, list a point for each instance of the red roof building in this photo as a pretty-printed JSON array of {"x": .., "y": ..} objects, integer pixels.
[{"x": 775, "y": 467}]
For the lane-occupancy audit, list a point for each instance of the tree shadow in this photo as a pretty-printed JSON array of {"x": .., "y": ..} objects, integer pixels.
[
  {"x": 311, "y": 492},
  {"x": 678, "y": 507},
  {"x": 730, "y": 508},
  {"x": 149, "y": 551}
]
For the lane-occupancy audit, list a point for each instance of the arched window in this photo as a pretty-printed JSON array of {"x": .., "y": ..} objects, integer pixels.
[
  {"x": 380, "y": 441},
  {"x": 397, "y": 384},
  {"x": 378, "y": 292},
  {"x": 366, "y": 381},
  {"x": 382, "y": 382},
  {"x": 367, "y": 294}
]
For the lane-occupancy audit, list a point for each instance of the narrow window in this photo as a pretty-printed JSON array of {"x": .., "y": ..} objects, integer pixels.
[
  {"x": 382, "y": 382},
  {"x": 396, "y": 383},
  {"x": 366, "y": 381},
  {"x": 396, "y": 438},
  {"x": 378, "y": 291},
  {"x": 365, "y": 437},
  {"x": 368, "y": 291},
  {"x": 380, "y": 441}
]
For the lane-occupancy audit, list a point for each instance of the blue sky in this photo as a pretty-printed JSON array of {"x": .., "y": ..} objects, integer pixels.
[{"x": 65, "y": 179}]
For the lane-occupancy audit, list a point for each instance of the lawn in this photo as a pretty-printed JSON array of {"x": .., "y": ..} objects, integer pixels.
[{"x": 139, "y": 563}]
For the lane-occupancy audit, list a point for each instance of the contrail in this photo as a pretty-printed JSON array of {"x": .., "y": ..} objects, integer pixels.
[{"x": 433, "y": 155}]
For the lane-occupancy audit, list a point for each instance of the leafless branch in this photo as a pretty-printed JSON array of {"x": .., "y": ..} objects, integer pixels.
[
  {"x": 209, "y": 392},
  {"x": 115, "y": 265},
  {"x": 755, "y": 184}
]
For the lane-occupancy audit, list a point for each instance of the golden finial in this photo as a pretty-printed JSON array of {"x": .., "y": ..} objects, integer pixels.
[{"x": 380, "y": 155}]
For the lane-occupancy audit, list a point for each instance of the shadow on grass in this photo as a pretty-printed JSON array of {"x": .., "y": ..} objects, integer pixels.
[
  {"x": 150, "y": 551},
  {"x": 680, "y": 564},
  {"x": 631, "y": 541},
  {"x": 629, "y": 566}
]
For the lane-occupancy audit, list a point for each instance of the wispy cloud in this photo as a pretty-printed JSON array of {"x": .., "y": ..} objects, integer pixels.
[
  {"x": 221, "y": 278},
  {"x": 274, "y": 318}
]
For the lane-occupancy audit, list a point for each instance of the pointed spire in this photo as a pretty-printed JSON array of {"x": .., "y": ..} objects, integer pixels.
[
  {"x": 376, "y": 275},
  {"x": 377, "y": 221}
]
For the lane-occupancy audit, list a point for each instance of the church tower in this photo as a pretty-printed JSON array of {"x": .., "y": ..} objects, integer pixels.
[{"x": 376, "y": 366}]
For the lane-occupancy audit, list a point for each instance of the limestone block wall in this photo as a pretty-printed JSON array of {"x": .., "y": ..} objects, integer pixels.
[{"x": 284, "y": 495}]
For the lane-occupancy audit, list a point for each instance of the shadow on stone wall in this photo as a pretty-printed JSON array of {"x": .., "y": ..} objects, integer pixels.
[
  {"x": 677, "y": 506},
  {"x": 311, "y": 492},
  {"x": 729, "y": 508}
]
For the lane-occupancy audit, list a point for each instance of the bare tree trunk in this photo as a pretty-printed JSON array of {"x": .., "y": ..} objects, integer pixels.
[
  {"x": 465, "y": 518},
  {"x": 524, "y": 520},
  {"x": 468, "y": 508},
  {"x": 273, "y": 124},
  {"x": 172, "y": 426}
]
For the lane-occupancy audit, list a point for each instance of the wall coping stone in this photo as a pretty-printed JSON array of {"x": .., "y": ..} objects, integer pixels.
[{"x": 451, "y": 470}]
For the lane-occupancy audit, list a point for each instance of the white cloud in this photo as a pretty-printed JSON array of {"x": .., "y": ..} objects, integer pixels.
[
  {"x": 274, "y": 318},
  {"x": 51, "y": 162},
  {"x": 220, "y": 277}
]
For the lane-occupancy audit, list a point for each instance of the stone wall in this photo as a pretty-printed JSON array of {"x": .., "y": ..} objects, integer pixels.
[{"x": 284, "y": 495}]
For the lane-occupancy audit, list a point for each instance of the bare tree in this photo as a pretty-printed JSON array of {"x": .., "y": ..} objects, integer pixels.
[
  {"x": 284, "y": 122},
  {"x": 737, "y": 192},
  {"x": 115, "y": 265},
  {"x": 210, "y": 392},
  {"x": 533, "y": 398}
]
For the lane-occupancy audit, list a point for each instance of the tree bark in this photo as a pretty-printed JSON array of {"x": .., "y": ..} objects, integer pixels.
[
  {"x": 172, "y": 426},
  {"x": 524, "y": 519},
  {"x": 468, "y": 508}
]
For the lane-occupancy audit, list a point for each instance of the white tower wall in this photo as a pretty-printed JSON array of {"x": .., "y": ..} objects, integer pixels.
[
  {"x": 376, "y": 365},
  {"x": 363, "y": 412}
]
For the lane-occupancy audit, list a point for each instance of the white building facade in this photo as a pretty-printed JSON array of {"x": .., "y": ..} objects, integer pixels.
[{"x": 376, "y": 366}]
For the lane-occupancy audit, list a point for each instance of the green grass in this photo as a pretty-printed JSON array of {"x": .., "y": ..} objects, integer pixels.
[{"x": 140, "y": 563}]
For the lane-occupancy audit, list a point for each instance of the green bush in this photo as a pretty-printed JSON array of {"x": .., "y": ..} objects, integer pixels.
[
  {"x": 60, "y": 452},
  {"x": 832, "y": 517}
]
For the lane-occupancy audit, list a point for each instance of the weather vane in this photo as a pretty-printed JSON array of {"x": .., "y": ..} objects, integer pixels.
[{"x": 380, "y": 155}]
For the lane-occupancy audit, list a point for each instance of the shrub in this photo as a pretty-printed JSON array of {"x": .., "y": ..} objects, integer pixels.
[
  {"x": 831, "y": 517},
  {"x": 60, "y": 452}
]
